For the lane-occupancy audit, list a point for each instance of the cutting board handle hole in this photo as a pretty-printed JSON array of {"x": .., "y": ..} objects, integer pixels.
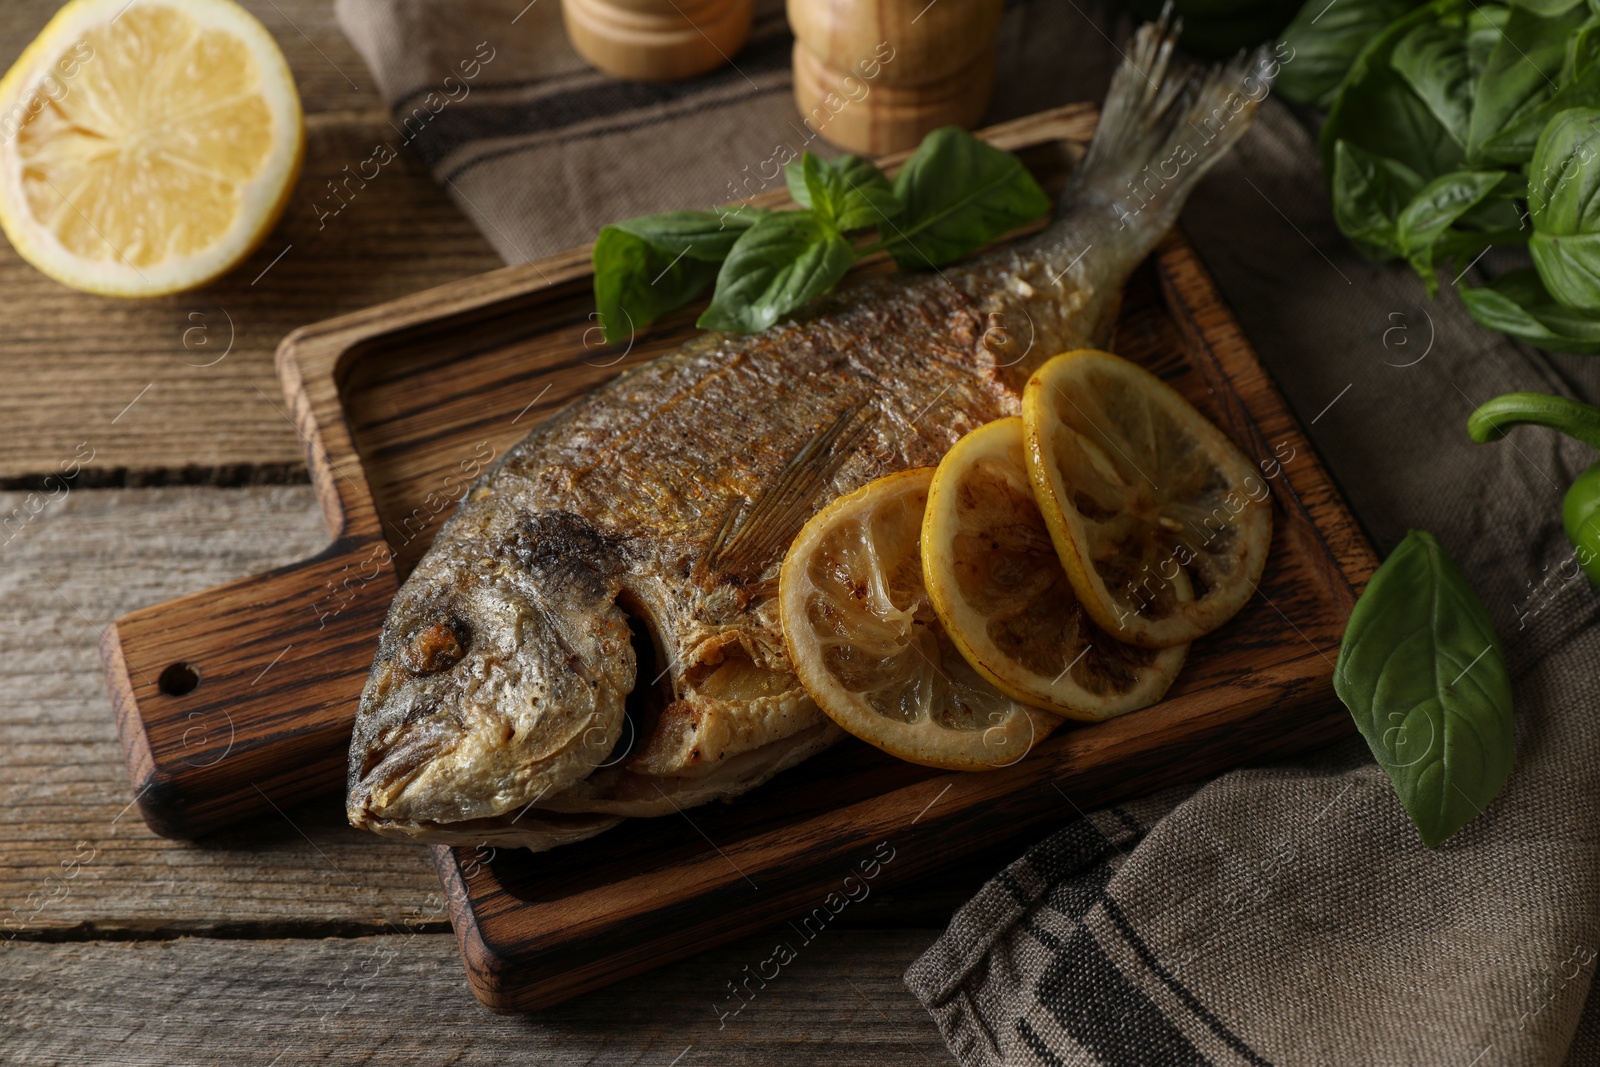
[{"x": 179, "y": 679}]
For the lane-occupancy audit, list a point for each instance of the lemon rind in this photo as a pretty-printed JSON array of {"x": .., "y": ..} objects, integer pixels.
[
  {"x": 264, "y": 197},
  {"x": 1065, "y": 697},
  {"x": 1203, "y": 616},
  {"x": 907, "y": 741}
]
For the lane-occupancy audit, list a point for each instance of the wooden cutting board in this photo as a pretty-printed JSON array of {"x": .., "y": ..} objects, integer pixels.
[{"x": 240, "y": 699}]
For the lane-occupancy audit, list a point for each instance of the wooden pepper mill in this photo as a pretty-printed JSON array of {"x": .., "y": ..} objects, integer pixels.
[
  {"x": 657, "y": 40},
  {"x": 874, "y": 76}
]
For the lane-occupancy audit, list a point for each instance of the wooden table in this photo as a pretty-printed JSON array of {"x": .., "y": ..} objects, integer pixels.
[{"x": 292, "y": 939}]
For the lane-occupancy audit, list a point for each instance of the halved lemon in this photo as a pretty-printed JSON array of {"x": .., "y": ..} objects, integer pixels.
[
  {"x": 146, "y": 147},
  {"x": 996, "y": 583},
  {"x": 867, "y": 646},
  {"x": 1140, "y": 491}
]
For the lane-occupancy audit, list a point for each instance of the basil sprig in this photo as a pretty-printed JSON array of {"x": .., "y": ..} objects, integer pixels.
[
  {"x": 1421, "y": 671},
  {"x": 848, "y": 193},
  {"x": 953, "y": 196}
]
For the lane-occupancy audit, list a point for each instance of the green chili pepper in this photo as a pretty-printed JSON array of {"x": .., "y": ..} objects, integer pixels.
[{"x": 1580, "y": 511}]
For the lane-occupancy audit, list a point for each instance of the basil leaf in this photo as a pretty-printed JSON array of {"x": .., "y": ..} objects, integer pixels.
[
  {"x": 1517, "y": 304},
  {"x": 850, "y": 192},
  {"x": 704, "y": 235},
  {"x": 1564, "y": 201},
  {"x": 1549, "y": 8},
  {"x": 1583, "y": 48},
  {"x": 636, "y": 282},
  {"x": 1485, "y": 26},
  {"x": 1503, "y": 209},
  {"x": 1570, "y": 268},
  {"x": 1377, "y": 111},
  {"x": 959, "y": 194},
  {"x": 1324, "y": 40},
  {"x": 1369, "y": 193},
  {"x": 1433, "y": 60},
  {"x": 778, "y": 265},
  {"x": 1421, "y": 671},
  {"x": 1564, "y": 175},
  {"x": 648, "y": 266},
  {"x": 1435, "y": 208},
  {"x": 1521, "y": 72},
  {"x": 1519, "y": 140}
]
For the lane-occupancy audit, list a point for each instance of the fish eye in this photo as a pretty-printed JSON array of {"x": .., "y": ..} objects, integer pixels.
[{"x": 437, "y": 646}]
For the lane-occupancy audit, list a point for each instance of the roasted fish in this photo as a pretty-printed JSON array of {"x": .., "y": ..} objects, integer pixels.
[{"x": 594, "y": 634}]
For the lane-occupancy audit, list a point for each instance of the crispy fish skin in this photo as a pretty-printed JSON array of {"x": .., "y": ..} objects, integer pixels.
[{"x": 496, "y": 707}]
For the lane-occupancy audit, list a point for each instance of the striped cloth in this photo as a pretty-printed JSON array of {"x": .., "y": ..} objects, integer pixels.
[
  {"x": 540, "y": 150},
  {"x": 1285, "y": 915}
]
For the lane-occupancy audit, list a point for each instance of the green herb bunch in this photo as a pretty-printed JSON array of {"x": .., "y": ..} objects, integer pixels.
[
  {"x": 953, "y": 196},
  {"x": 1457, "y": 126}
]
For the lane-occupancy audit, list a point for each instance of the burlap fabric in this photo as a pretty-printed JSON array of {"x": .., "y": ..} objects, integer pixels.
[{"x": 1284, "y": 915}]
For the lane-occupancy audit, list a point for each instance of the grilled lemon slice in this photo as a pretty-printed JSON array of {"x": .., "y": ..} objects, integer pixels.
[
  {"x": 869, "y": 648},
  {"x": 146, "y": 148},
  {"x": 1137, "y": 488},
  {"x": 997, "y": 586}
]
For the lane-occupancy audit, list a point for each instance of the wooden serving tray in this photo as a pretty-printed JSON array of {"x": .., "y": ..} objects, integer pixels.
[{"x": 235, "y": 700}]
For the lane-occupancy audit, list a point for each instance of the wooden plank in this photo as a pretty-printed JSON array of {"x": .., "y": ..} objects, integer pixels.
[
  {"x": 202, "y": 411},
  {"x": 400, "y": 1001},
  {"x": 73, "y": 362},
  {"x": 65, "y": 572}
]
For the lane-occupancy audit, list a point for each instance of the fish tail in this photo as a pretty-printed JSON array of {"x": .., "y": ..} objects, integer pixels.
[{"x": 1162, "y": 128}]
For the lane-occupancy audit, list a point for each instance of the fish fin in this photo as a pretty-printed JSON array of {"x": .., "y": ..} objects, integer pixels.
[
  {"x": 752, "y": 536},
  {"x": 1157, "y": 120}
]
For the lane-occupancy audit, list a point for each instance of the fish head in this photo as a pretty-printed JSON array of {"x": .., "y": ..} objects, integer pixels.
[{"x": 501, "y": 676}]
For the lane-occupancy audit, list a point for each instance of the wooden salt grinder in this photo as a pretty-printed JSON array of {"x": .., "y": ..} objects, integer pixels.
[
  {"x": 657, "y": 40},
  {"x": 874, "y": 76}
]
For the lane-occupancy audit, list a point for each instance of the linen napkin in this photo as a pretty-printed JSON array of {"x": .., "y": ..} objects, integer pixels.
[
  {"x": 1283, "y": 915},
  {"x": 540, "y": 150}
]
